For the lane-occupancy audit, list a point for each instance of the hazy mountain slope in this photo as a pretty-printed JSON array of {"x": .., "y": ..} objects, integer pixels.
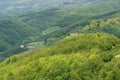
[
  {"x": 27, "y": 6},
  {"x": 63, "y": 21},
  {"x": 106, "y": 6},
  {"x": 42, "y": 20},
  {"x": 65, "y": 16},
  {"x": 110, "y": 24}
]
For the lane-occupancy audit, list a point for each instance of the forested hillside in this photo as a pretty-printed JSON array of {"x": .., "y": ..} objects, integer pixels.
[
  {"x": 12, "y": 33},
  {"x": 48, "y": 26},
  {"x": 16, "y": 30},
  {"x": 107, "y": 23},
  {"x": 70, "y": 40},
  {"x": 83, "y": 56}
]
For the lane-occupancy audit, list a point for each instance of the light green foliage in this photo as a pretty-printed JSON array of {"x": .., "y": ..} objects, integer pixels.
[
  {"x": 88, "y": 55},
  {"x": 83, "y": 56},
  {"x": 110, "y": 26}
]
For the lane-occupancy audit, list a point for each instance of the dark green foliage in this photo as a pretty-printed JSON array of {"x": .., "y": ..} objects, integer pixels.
[
  {"x": 106, "y": 57},
  {"x": 42, "y": 20},
  {"x": 70, "y": 19},
  {"x": 12, "y": 34},
  {"x": 12, "y": 31}
]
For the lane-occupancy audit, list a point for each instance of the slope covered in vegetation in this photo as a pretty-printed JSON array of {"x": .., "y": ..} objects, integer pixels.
[
  {"x": 48, "y": 26},
  {"x": 111, "y": 26},
  {"x": 85, "y": 39},
  {"x": 78, "y": 57},
  {"x": 12, "y": 33}
]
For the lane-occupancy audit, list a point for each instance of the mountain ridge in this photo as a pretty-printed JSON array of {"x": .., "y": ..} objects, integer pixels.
[{"x": 23, "y": 6}]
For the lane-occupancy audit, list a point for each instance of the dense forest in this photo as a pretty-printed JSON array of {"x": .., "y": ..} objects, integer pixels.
[
  {"x": 73, "y": 40},
  {"x": 80, "y": 57}
]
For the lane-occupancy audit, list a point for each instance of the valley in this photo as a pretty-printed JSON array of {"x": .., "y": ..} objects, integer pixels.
[
  {"x": 60, "y": 40},
  {"x": 50, "y": 25}
]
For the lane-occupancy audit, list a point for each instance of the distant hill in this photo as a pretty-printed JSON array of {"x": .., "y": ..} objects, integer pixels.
[
  {"x": 55, "y": 23},
  {"x": 12, "y": 33},
  {"x": 3, "y": 15},
  {"x": 29, "y": 6}
]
